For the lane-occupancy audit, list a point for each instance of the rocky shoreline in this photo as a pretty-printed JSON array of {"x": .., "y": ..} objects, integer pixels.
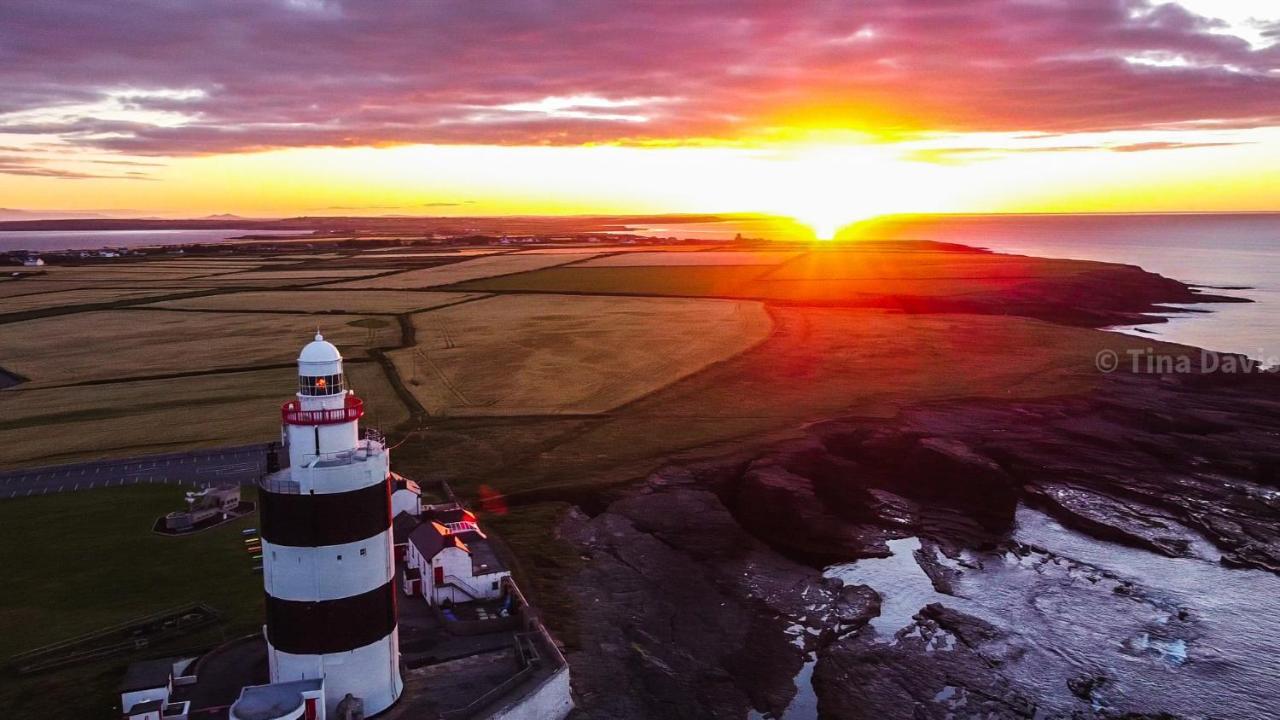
[{"x": 702, "y": 592}]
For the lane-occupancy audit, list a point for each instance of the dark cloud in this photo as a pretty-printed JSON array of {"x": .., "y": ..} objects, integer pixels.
[{"x": 308, "y": 72}]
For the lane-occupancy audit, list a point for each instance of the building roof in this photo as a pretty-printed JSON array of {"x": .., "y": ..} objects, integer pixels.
[
  {"x": 145, "y": 706},
  {"x": 319, "y": 351},
  {"x": 267, "y": 702},
  {"x": 451, "y": 513},
  {"x": 147, "y": 674},
  {"x": 401, "y": 525},
  {"x": 400, "y": 482},
  {"x": 483, "y": 559},
  {"x": 429, "y": 541},
  {"x": 432, "y": 536}
]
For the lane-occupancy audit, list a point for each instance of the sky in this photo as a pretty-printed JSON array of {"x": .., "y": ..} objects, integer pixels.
[{"x": 827, "y": 110}]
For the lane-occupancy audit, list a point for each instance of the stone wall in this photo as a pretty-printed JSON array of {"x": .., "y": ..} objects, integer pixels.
[{"x": 550, "y": 700}]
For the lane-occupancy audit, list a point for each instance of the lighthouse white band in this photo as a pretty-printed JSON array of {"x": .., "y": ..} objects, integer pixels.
[
  {"x": 370, "y": 672},
  {"x": 328, "y": 572}
]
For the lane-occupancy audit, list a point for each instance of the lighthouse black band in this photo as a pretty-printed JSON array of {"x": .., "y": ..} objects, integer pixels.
[
  {"x": 325, "y": 519},
  {"x": 329, "y": 626}
]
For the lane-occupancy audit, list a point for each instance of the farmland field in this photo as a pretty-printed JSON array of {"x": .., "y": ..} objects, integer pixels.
[
  {"x": 134, "y": 272},
  {"x": 316, "y": 274},
  {"x": 653, "y": 249},
  {"x": 353, "y": 301},
  {"x": 61, "y": 298},
  {"x": 710, "y": 281},
  {"x": 533, "y": 355},
  {"x": 817, "y": 362},
  {"x": 478, "y": 267},
  {"x": 820, "y": 277},
  {"x": 668, "y": 259},
  {"x": 71, "y": 424},
  {"x": 111, "y": 344}
]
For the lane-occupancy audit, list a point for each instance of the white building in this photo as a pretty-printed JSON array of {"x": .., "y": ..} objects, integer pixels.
[
  {"x": 147, "y": 687},
  {"x": 453, "y": 559},
  {"x": 406, "y": 496}
]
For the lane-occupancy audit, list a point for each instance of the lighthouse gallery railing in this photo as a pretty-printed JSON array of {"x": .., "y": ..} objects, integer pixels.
[{"x": 292, "y": 413}]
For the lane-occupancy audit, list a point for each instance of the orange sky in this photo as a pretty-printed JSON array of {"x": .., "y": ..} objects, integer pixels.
[{"x": 828, "y": 112}]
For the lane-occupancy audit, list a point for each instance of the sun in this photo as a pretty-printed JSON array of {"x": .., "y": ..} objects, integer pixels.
[{"x": 825, "y": 226}]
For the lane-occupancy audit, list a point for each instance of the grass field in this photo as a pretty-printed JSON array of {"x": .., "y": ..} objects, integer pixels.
[
  {"x": 64, "y": 298},
  {"x": 37, "y": 286},
  {"x": 711, "y": 257},
  {"x": 682, "y": 247},
  {"x": 349, "y": 301},
  {"x": 817, "y": 277},
  {"x": 316, "y": 274},
  {"x": 709, "y": 281},
  {"x": 71, "y": 424},
  {"x": 477, "y": 267},
  {"x": 818, "y": 362},
  {"x": 112, "y": 344},
  {"x": 132, "y": 272},
  {"x": 92, "y": 560},
  {"x": 922, "y": 265},
  {"x": 534, "y": 355}
]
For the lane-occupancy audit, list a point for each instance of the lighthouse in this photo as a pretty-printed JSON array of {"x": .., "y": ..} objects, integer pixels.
[{"x": 328, "y": 567}]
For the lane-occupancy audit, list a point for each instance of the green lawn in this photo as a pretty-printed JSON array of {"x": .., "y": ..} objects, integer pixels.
[{"x": 76, "y": 562}]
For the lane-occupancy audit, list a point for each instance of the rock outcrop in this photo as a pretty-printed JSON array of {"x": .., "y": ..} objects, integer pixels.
[{"x": 702, "y": 594}]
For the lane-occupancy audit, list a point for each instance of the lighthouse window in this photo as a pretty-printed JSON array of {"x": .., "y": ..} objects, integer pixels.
[{"x": 320, "y": 385}]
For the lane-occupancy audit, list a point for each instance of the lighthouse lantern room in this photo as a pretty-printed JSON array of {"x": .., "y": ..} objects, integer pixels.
[{"x": 328, "y": 565}]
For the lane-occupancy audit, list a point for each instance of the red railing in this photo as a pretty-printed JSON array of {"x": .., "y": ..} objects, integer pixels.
[{"x": 293, "y": 414}]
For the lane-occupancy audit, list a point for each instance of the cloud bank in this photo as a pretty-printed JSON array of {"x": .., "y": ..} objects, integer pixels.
[{"x": 189, "y": 77}]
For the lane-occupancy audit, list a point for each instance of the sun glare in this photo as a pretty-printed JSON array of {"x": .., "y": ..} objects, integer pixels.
[{"x": 825, "y": 225}]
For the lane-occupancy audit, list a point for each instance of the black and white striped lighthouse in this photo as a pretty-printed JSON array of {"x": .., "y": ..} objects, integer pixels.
[{"x": 327, "y": 549}]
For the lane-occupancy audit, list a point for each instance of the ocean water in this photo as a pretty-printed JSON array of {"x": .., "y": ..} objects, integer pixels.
[
  {"x": 1216, "y": 250},
  {"x": 53, "y": 240},
  {"x": 1186, "y": 636},
  {"x": 1213, "y": 250}
]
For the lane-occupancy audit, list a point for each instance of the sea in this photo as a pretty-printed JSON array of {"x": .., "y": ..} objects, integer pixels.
[
  {"x": 1225, "y": 253},
  {"x": 1239, "y": 252}
]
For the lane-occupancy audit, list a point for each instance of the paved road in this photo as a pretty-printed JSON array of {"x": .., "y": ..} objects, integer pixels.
[{"x": 241, "y": 464}]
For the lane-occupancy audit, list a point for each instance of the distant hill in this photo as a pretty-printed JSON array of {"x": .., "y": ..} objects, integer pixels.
[
  {"x": 489, "y": 225},
  {"x": 13, "y": 214}
]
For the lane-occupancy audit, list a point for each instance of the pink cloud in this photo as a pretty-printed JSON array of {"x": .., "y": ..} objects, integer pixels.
[{"x": 352, "y": 73}]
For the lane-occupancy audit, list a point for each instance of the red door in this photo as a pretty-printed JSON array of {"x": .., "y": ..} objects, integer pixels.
[
  {"x": 439, "y": 576},
  {"x": 310, "y": 713}
]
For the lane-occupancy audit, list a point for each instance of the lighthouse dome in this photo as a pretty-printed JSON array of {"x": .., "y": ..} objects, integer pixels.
[{"x": 319, "y": 351}]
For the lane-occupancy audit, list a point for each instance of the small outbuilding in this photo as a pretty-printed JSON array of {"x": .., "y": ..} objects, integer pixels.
[{"x": 454, "y": 558}]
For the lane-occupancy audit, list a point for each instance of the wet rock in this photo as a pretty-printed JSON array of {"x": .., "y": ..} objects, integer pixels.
[
  {"x": 855, "y": 606},
  {"x": 941, "y": 576},
  {"x": 911, "y": 679},
  {"x": 684, "y": 614},
  {"x": 782, "y": 508},
  {"x": 701, "y": 593},
  {"x": 1084, "y": 686}
]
